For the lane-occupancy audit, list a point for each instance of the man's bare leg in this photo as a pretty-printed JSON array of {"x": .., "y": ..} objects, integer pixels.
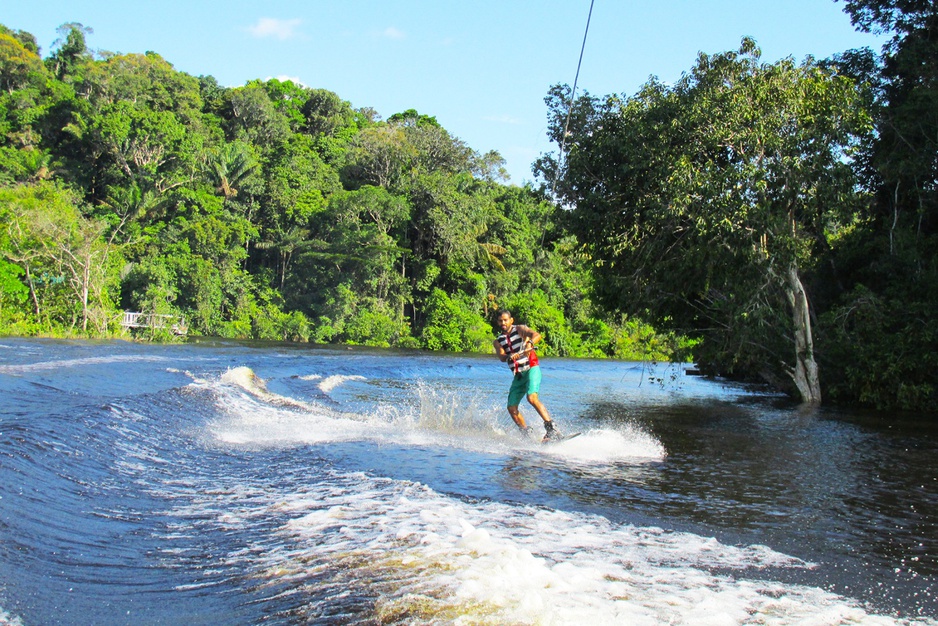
[
  {"x": 539, "y": 407},
  {"x": 516, "y": 416},
  {"x": 542, "y": 411}
]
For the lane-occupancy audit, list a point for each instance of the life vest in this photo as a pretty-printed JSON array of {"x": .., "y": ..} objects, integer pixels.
[{"x": 513, "y": 342}]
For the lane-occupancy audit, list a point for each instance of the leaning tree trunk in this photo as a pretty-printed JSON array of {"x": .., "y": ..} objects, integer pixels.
[
  {"x": 85, "y": 290},
  {"x": 805, "y": 372},
  {"x": 32, "y": 291}
]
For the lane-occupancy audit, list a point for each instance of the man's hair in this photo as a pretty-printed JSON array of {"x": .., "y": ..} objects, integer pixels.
[{"x": 503, "y": 312}]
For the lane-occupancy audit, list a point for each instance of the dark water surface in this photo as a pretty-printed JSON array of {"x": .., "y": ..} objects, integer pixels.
[{"x": 237, "y": 483}]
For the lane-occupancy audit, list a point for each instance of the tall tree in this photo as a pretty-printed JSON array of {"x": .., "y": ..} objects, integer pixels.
[
  {"x": 379, "y": 155},
  {"x": 285, "y": 242},
  {"x": 882, "y": 329},
  {"x": 704, "y": 203},
  {"x": 251, "y": 116},
  {"x": 72, "y": 50},
  {"x": 906, "y": 147},
  {"x": 136, "y": 121}
]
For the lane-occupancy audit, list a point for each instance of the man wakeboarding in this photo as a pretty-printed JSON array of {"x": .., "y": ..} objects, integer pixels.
[{"x": 515, "y": 346}]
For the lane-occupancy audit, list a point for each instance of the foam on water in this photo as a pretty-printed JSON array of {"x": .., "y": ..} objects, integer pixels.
[
  {"x": 331, "y": 382},
  {"x": 606, "y": 445},
  {"x": 9, "y": 620},
  {"x": 246, "y": 379},
  {"x": 215, "y": 496},
  {"x": 429, "y": 558},
  {"x": 439, "y": 416},
  {"x": 276, "y": 419},
  {"x": 433, "y": 558}
]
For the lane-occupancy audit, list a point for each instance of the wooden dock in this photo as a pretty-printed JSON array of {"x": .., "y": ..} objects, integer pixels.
[{"x": 175, "y": 323}]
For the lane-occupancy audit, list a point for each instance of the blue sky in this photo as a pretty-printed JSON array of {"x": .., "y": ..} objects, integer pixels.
[{"x": 482, "y": 67}]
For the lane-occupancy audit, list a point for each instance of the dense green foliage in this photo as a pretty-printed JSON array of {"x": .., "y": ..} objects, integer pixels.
[
  {"x": 783, "y": 214},
  {"x": 709, "y": 200},
  {"x": 881, "y": 339},
  {"x": 270, "y": 211}
]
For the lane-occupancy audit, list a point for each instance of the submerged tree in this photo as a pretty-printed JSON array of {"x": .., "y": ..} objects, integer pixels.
[{"x": 704, "y": 203}]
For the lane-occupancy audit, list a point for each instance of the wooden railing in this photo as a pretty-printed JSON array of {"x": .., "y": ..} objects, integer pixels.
[{"x": 176, "y": 323}]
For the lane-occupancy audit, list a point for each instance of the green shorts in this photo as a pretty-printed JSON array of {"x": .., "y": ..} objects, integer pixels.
[{"x": 524, "y": 384}]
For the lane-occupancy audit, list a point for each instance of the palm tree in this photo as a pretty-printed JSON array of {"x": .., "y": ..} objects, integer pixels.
[
  {"x": 130, "y": 204},
  {"x": 230, "y": 165},
  {"x": 485, "y": 253}
]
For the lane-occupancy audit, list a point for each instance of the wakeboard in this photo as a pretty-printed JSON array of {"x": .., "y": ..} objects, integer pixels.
[{"x": 560, "y": 439}]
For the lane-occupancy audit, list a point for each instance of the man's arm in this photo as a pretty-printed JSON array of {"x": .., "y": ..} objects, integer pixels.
[
  {"x": 514, "y": 356},
  {"x": 500, "y": 352},
  {"x": 530, "y": 336}
]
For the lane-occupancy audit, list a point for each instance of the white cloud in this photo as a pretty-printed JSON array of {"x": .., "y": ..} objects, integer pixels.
[
  {"x": 393, "y": 33},
  {"x": 271, "y": 27}
]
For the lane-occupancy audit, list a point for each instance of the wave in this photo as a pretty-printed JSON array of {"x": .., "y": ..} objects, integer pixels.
[
  {"x": 74, "y": 363},
  {"x": 228, "y": 488},
  {"x": 255, "y": 416},
  {"x": 423, "y": 557},
  {"x": 607, "y": 445},
  {"x": 418, "y": 555},
  {"x": 329, "y": 383},
  {"x": 435, "y": 416}
]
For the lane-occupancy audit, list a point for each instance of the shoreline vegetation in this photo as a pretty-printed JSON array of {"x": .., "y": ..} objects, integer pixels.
[{"x": 276, "y": 211}]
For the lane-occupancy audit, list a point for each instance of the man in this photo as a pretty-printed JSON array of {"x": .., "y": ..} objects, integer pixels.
[{"x": 515, "y": 346}]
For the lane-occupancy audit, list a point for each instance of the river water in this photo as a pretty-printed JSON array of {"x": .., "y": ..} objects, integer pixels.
[{"x": 231, "y": 483}]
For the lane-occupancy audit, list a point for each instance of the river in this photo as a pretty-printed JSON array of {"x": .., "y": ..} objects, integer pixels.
[{"x": 219, "y": 482}]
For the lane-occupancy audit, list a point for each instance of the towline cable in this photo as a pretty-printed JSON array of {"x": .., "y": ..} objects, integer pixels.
[{"x": 576, "y": 78}]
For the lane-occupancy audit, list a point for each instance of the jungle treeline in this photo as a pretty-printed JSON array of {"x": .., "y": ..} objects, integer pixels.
[
  {"x": 268, "y": 211},
  {"x": 772, "y": 221}
]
